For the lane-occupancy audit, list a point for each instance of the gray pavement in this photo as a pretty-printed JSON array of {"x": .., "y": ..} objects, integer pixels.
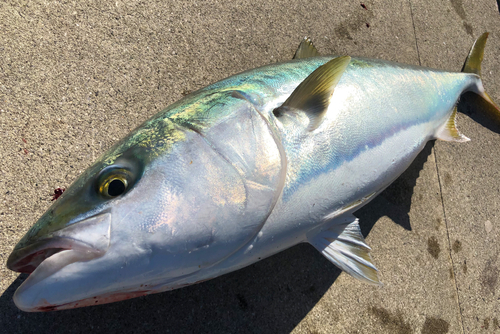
[{"x": 77, "y": 76}]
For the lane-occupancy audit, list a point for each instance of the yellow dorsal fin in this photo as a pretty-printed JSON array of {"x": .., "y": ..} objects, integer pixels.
[
  {"x": 475, "y": 57},
  {"x": 312, "y": 96},
  {"x": 306, "y": 49},
  {"x": 449, "y": 131}
]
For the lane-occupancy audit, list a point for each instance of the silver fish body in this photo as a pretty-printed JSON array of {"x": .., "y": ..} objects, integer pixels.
[{"x": 234, "y": 173}]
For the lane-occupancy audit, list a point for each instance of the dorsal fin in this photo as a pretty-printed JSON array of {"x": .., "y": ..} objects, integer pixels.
[
  {"x": 312, "y": 96},
  {"x": 475, "y": 57},
  {"x": 449, "y": 131},
  {"x": 306, "y": 49}
]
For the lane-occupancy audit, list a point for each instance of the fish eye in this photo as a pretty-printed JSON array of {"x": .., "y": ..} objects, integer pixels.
[{"x": 114, "y": 182}]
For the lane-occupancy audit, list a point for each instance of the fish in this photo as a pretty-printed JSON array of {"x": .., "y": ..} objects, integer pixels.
[{"x": 241, "y": 170}]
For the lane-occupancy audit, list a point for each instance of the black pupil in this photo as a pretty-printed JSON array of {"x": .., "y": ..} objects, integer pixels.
[{"x": 116, "y": 187}]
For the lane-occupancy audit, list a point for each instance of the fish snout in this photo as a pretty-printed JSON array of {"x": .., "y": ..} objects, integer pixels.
[
  {"x": 79, "y": 242},
  {"x": 90, "y": 237}
]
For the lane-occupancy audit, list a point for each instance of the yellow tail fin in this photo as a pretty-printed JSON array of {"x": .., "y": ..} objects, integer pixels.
[{"x": 473, "y": 65}]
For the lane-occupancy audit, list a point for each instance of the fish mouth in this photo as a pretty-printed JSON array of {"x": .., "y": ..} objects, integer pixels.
[
  {"x": 27, "y": 259},
  {"x": 79, "y": 242},
  {"x": 90, "y": 235}
]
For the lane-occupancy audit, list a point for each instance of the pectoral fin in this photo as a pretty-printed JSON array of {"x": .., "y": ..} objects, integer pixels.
[
  {"x": 313, "y": 94},
  {"x": 345, "y": 247}
]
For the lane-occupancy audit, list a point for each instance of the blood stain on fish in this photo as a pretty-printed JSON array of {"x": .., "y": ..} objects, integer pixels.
[{"x": 57, "y": 192}]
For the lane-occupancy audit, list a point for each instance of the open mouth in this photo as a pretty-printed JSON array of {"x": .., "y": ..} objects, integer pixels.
[
  {"x": 83, "y": 241},
  {"x": 27, "y": 259},
  {"x": 89, "y": 238}
]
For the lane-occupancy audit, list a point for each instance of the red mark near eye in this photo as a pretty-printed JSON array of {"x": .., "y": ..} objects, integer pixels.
[
  {"x": 57, "y": 192},
  {"x": 363, "y": 5},
  {"x": 25, "y": 151},
  {"x": 24, "y": 140}
]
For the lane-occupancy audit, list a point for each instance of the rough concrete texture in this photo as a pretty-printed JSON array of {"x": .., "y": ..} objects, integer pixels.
[{"x": 76, "y": 76}]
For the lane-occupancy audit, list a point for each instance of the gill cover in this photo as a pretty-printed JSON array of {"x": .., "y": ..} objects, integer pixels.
[{"x": 233, "y": 172}]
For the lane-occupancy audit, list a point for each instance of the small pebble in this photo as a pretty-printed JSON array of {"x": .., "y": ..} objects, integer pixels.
[{"x": 488, "y": 226}]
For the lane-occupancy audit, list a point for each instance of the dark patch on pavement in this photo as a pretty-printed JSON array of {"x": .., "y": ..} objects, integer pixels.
[
  {"x": 309, "y": 290},
  {"x": 459, "y": 9},
  {"x": 433, "y": 247},
  {"x": 495, "y": 323},
  {"x": 447, "y": 179},
  {"x": 464, "y": 267},
  {"x": 343, "y": 32},
  {"x": 435, "y": 326},
  {"x": 486, "y": 323},
  {"x": 345, "y": 28},
  {"x": 393, "y": 323},
  {"x": 489, "y": 276},
  {"x": 438, "y": 223},
  {"x": 457, "y": 246},
  {"x": 468, "y": 28},
  {"x": 242, "y": 301}
]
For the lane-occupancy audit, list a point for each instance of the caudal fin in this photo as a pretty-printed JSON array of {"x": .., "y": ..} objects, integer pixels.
[{"x": 473, "y": 65}]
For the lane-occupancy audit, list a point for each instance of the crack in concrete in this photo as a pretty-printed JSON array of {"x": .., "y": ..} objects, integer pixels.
[
  {"x": 449, "y": 242},
  {"x": 415, "y": 32},
  {"x": 441, "y": 191}
]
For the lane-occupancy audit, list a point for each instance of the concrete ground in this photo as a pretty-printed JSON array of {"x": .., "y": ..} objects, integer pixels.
[{"x": 75, "y": 76}]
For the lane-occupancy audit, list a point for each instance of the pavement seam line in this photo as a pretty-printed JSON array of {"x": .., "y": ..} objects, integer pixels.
[
  {"x": 414, "y": 33},
  {"x": 441, "y": 193},
  {"x": 449, "y": 242}
]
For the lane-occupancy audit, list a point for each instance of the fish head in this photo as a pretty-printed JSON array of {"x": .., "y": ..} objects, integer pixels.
[{"x": 162, "y": 206}]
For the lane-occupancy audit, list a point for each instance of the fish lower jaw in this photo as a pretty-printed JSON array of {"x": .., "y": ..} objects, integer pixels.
[
  {"x": 45, "y": 306},
  {"x": 26, "y": 296},
  {"x": 24, "y": 302},
  {"x": 29, "y": 301}
]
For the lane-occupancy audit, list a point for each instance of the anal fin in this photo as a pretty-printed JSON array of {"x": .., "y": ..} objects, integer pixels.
[
  {"x": 344, "y": 246},
  {"x": 449, "y": 131}
]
